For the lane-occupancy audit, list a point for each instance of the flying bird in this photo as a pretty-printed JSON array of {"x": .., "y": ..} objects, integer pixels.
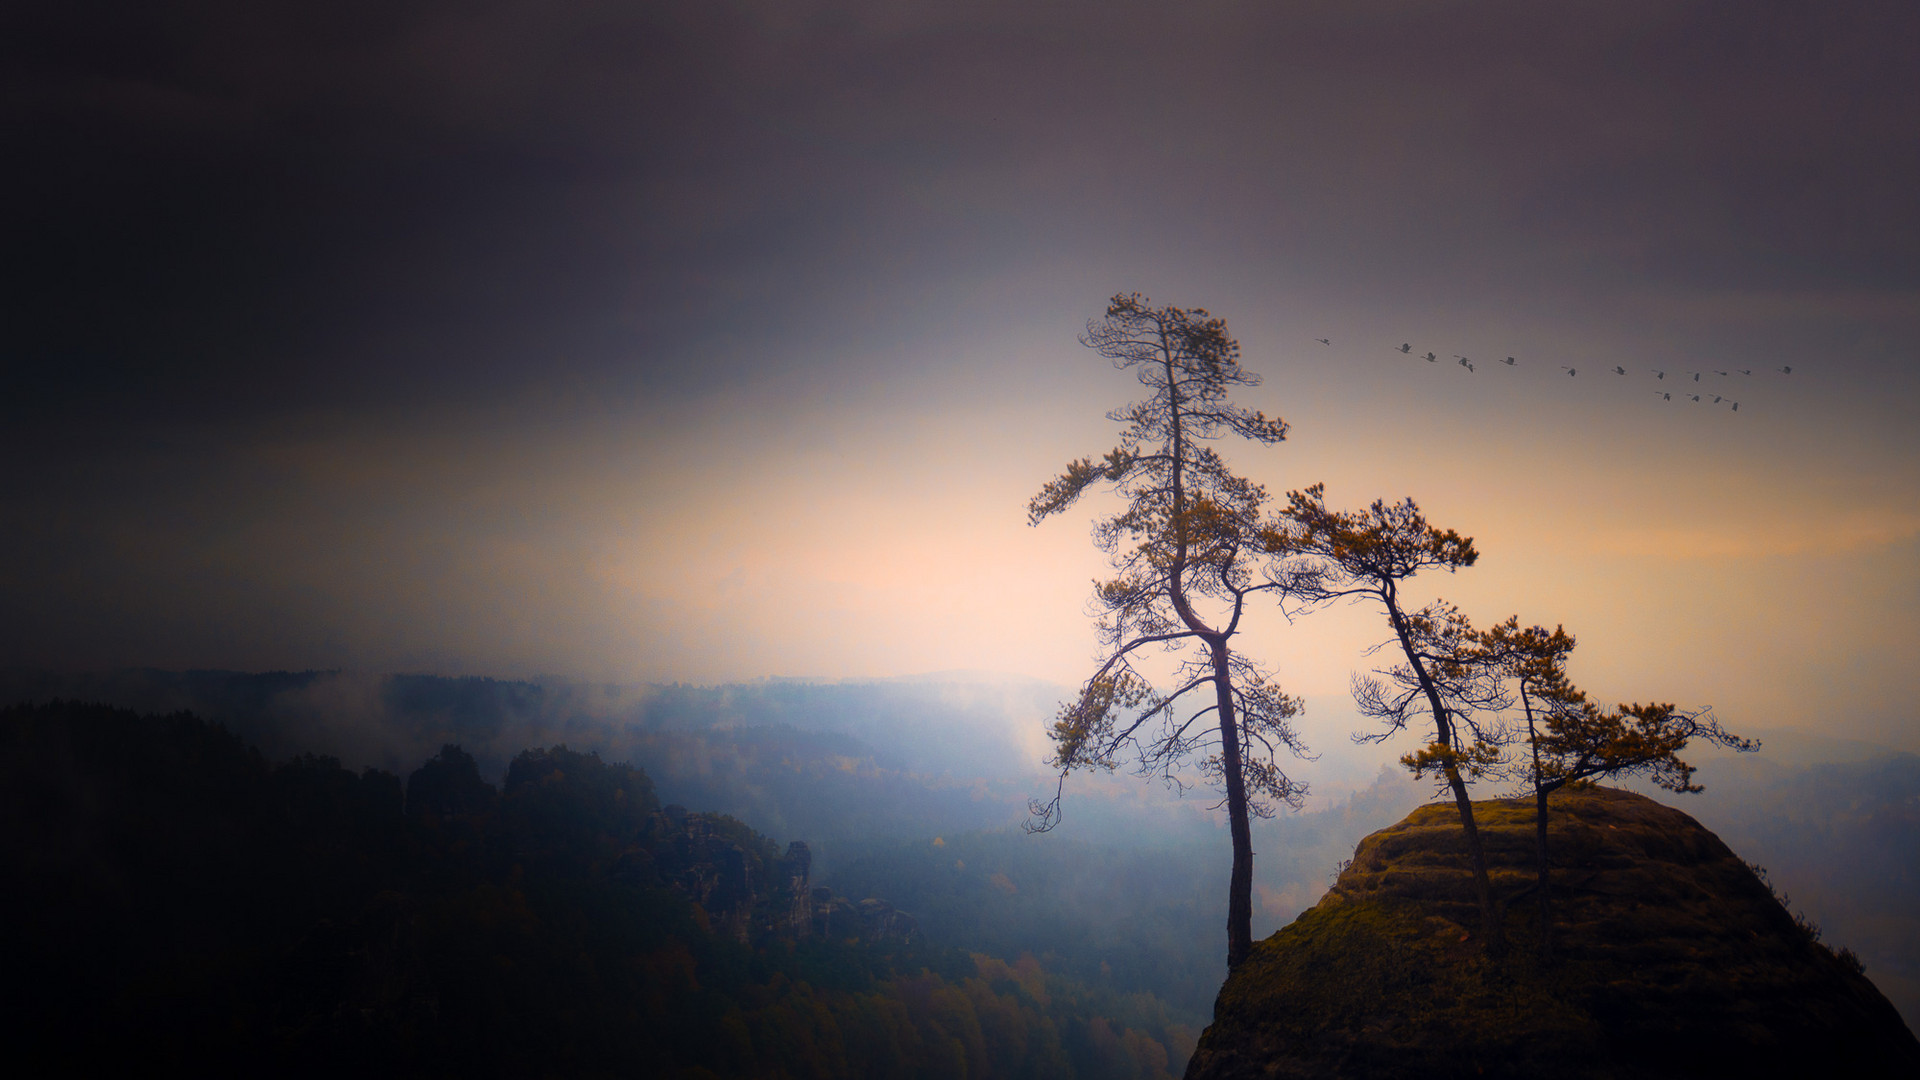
[
  {"x": 1659, "y": 374},
  {"x": 1432, "y": 359},
  {"x": 1508, "y": 361},
  {"x": 1404, "y": 349},
  {"x": 1696, "y": 376},
  {"x": 1736, "y": 406},
  {"x": 1695, "y": 397},
  {"x": 1664, "y": 395},
  {"x": 1744, "y": 371},
  {"x": 1466, "y": 363},
  {"x": 1716, "y": 399},
  {"x": 1618, "y": 370},
  {"x": 1571, "y": 372},
  {"x": 1323, "y": 341},
  {"x": 1719, "y": 373},
  {"x": 1786, "y": 370}
]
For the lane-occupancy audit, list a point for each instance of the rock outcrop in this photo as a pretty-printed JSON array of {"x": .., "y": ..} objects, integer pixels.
[
  {"x": 1671, "y": 959},
  {"x": 872, "y": 921},
  {"x": 752, "y": 895}
]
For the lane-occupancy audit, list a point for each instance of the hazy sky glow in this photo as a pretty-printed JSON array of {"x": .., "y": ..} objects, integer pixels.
[{"x": 715, "y": 341}]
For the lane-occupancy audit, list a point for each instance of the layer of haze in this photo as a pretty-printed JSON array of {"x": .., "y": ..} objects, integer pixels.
[{"x": 708, "y": 342}]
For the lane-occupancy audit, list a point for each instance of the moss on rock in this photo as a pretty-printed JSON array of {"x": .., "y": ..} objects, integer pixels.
[{"x": 1671, "y": 959}]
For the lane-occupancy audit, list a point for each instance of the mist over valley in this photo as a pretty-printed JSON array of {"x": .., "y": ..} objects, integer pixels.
[{"x": 915, "y": 791}]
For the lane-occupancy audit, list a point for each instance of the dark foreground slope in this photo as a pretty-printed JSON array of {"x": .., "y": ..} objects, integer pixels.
[{"x": 1672, "y": 959}]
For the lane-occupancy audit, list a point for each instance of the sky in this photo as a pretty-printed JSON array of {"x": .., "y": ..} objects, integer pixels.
[{"x": 717, "y": 341}]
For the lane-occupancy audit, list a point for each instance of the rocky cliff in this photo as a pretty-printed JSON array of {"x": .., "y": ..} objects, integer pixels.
[
  {"x": 751, "y": 896},
  {"x": 1672, "y": 958}
]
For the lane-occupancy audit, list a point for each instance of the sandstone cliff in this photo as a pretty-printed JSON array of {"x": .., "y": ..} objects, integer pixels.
[{"x": 1672, "y": 959}]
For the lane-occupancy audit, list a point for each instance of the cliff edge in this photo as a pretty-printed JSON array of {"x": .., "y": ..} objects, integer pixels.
[{"x": 1671, "y": 959}]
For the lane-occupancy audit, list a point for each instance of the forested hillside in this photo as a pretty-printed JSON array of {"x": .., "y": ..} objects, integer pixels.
[{"x": 182, "y": 899}]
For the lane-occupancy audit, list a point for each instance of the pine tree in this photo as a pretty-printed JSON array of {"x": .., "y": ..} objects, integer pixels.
[
  {"x": 1186, "y": 550},
  {"x": 1443, "y": 674}
]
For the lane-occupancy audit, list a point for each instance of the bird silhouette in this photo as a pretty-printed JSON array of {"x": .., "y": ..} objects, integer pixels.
[
  {"x": 1432, "y": 359},
  {"x": 1786, "y": 370},
  {"x": 1736, "y": 406},
  {"x": 1323, "y": 341},
  {"x": 1695, "y": 397},
  {"x": 1719, "y": 373},
  {"x": 1466, "y": 363},
  {"x": 1508, "y": 361},
  {"x": 1664, "y": 395},
  {"x": 1744, "y": 371},
  {"x": 1404, "y": 349},
  {"x": 1696, "y": 376},
  {"x": 1570, "y": 371},
  {"x": 1659, "y": 374},
  {"x": 1618, "y": 370},
  {"x": 1716, "y": 399}
]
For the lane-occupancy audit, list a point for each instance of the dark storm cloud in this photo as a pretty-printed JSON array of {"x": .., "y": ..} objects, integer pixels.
[{"x": 264, "y": 207}]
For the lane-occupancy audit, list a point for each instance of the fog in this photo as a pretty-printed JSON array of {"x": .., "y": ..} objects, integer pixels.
[{"x": 885, "y": 779}]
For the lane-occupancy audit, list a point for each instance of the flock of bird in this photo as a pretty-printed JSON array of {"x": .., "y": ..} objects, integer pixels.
[{"x": 1694, "y": 394}]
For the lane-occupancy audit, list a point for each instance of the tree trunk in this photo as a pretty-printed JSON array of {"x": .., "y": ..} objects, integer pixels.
[
  {"x": 1540, "y": 791},
  {"x": 1240, "y": 885},
  {"x": 1477, "y": 856},
  {"x": 1444, "y": 733},
  {"x": 1540, "y": 843}
]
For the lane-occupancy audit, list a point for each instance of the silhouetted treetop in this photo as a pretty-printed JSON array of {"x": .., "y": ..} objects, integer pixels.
[{"x": 448, "y": 785}]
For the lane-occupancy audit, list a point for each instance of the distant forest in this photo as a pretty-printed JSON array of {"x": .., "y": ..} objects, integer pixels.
[{"x": 179, "y": 898}]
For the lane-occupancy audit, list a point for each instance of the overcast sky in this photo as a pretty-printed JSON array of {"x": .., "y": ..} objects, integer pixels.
[{"x": 710, "y": 341}]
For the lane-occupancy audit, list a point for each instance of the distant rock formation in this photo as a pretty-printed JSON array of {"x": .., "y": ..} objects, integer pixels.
[
  {"x": 750, "y": 897},
  {"x": 714, "y": 873},
  {"x": 794, "y": 873},
  {"x": 871, "y": 921},
  {"x": 1672, "y": 959}
]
